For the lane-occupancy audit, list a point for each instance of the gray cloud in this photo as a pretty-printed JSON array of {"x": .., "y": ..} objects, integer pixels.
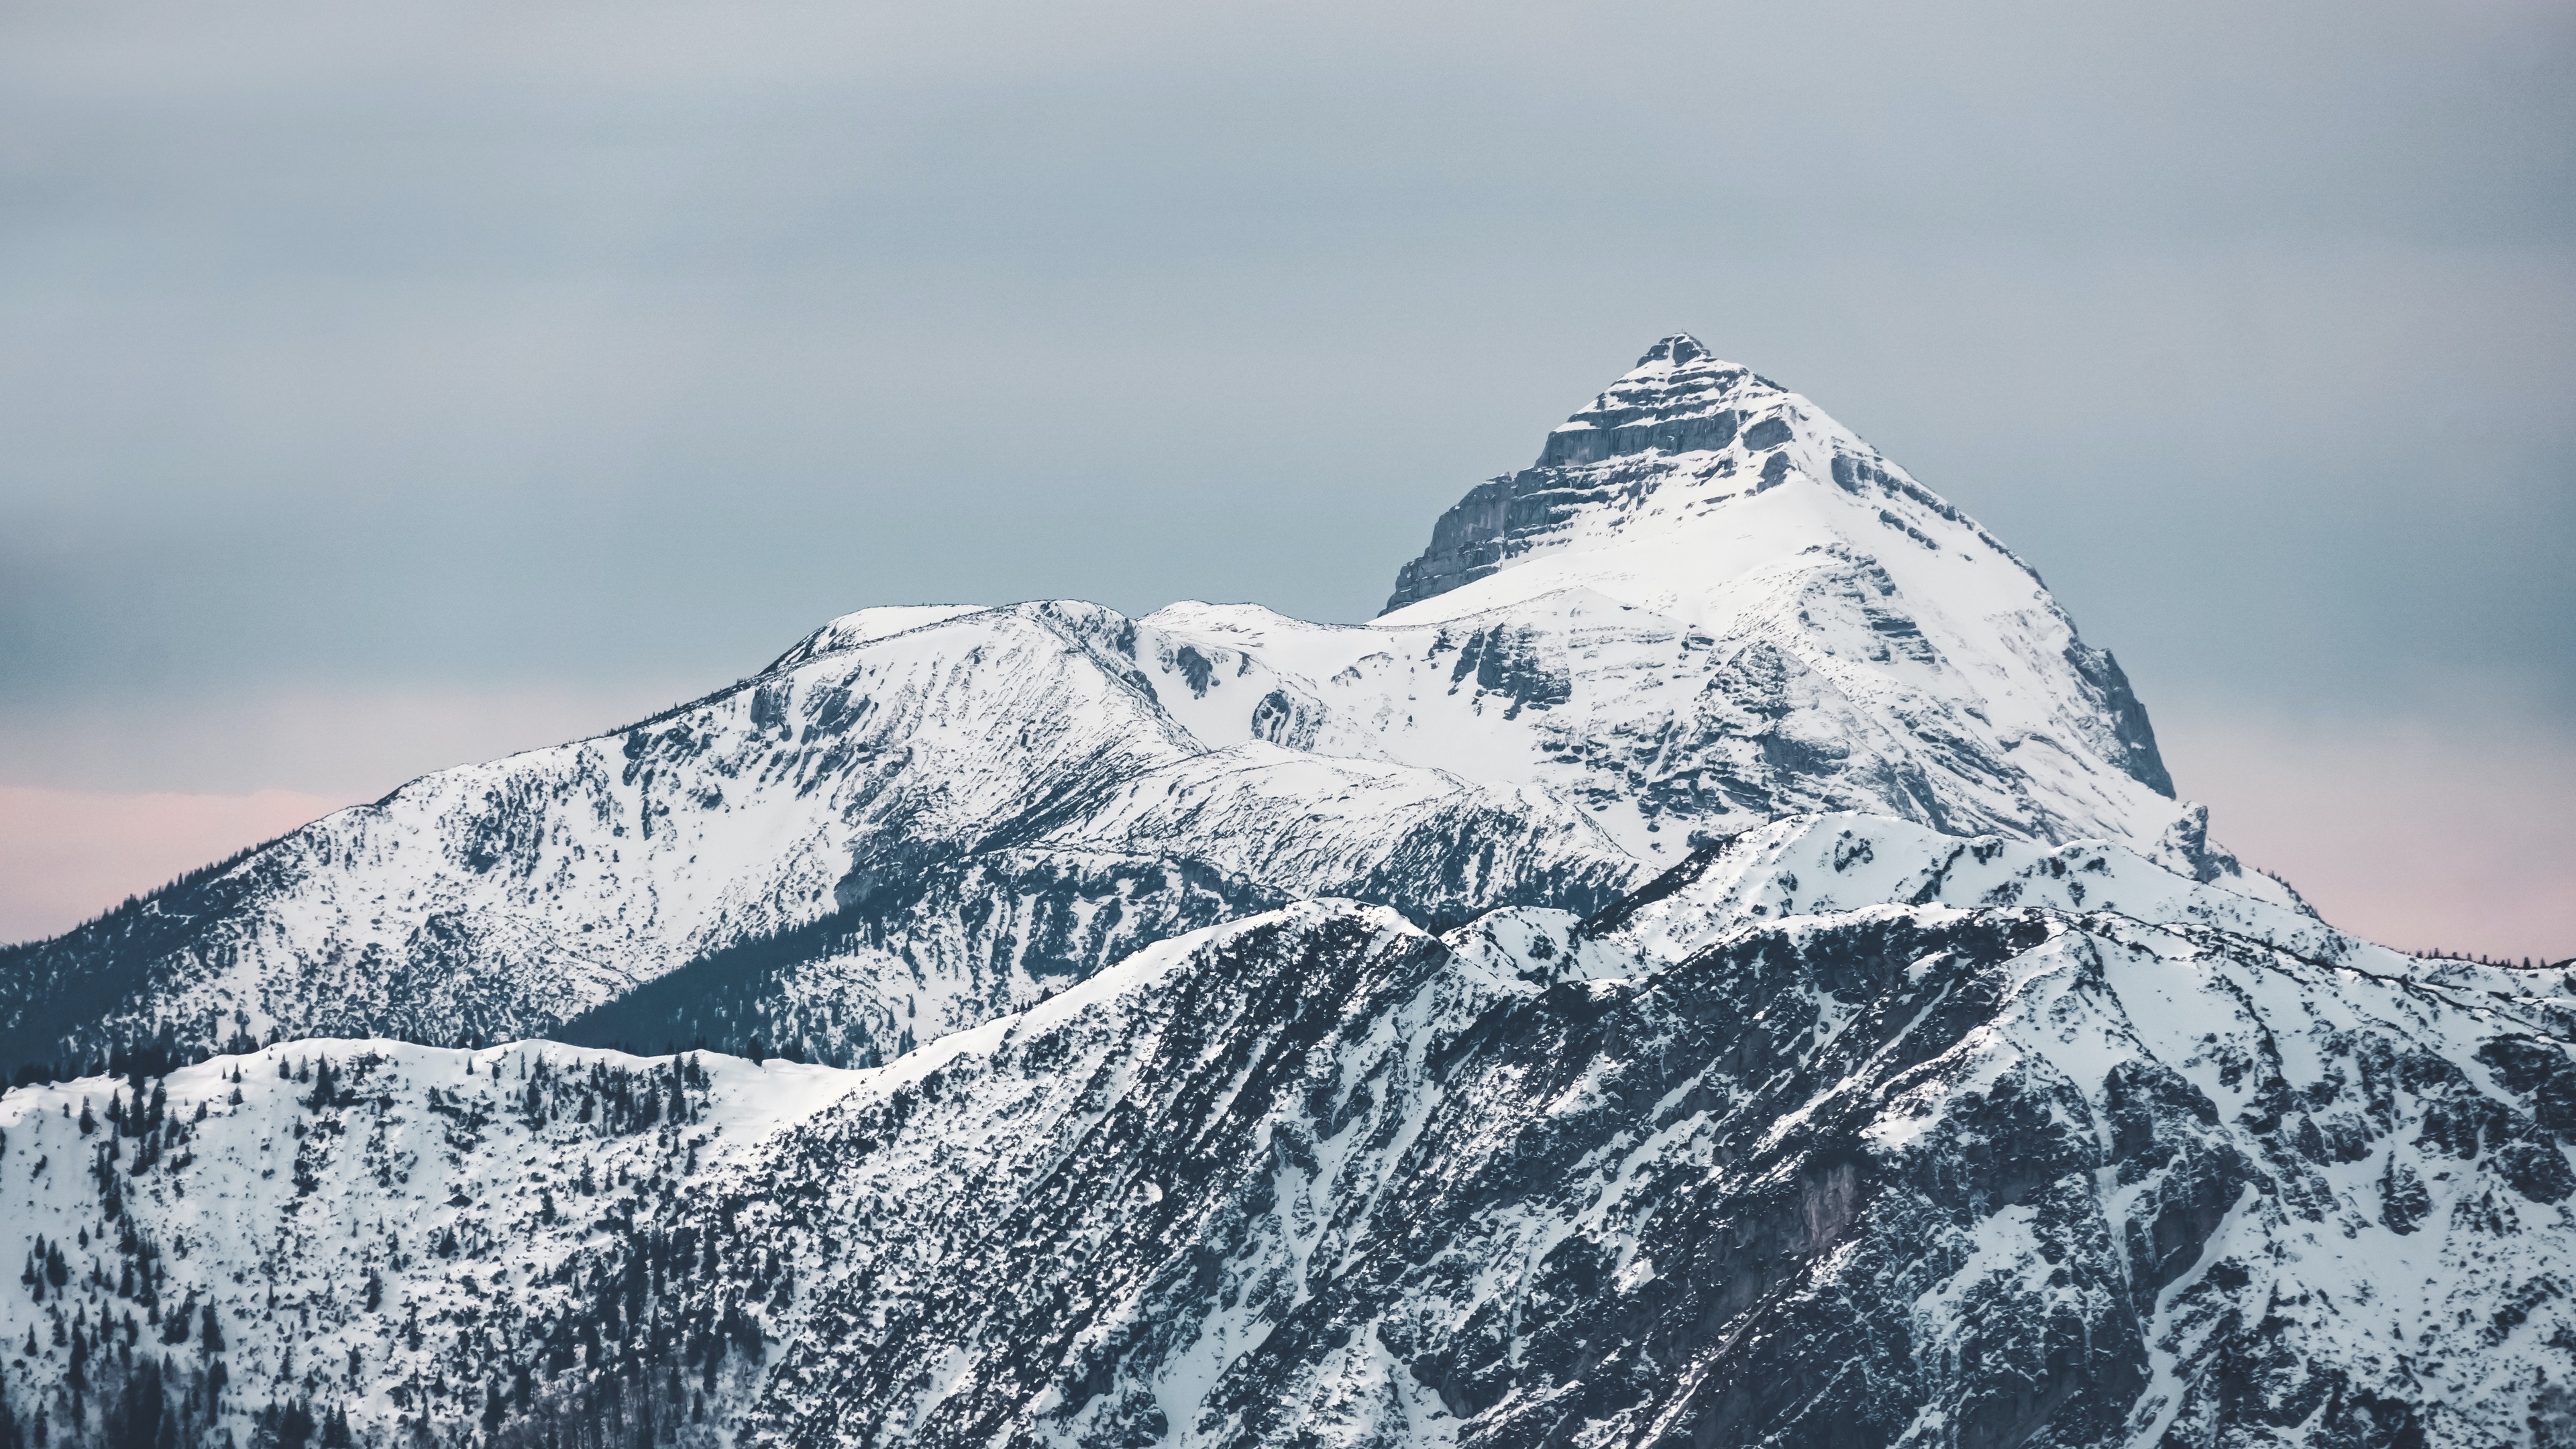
[{"x": 492, "y": 347}]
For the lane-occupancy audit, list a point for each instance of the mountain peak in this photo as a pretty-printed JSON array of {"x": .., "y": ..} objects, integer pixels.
[
  {"x": 1677, "y": 350},
  {"x": 1696, "y": 490},
  {"x": 1681, "y": 418}
]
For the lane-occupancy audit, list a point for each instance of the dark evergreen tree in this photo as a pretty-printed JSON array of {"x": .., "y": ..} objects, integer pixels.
[
  {"x": 295, "y": 1426},
  {"x": 139, "y": 1416}
]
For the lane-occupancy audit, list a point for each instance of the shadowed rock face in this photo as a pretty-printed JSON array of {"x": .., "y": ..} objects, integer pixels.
[
  {"x": 1692, "y": 403},
  {"x": 2134, "y": 740}
]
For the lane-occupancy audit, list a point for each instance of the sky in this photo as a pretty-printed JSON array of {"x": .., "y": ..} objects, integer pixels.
[{"x": 386, "y": 387}]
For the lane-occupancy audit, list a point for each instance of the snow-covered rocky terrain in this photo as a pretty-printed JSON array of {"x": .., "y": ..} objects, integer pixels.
[
  {"x": 1709, "y": 606},
  {"x": 1843, "y": 1132},
  {"x": 1719, "y": 962},
  {"x": 357, "y": 1231}
]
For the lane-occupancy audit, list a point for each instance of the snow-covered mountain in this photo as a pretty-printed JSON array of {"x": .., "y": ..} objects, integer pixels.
[
  {"x": 1718, "y": 962},
  {"x": 2181, "y": 1169},
  {"x": 1843, "y": 1132},
  {"x": 1708, "y": 606}
]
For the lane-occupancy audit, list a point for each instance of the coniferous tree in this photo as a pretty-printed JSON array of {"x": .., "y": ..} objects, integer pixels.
[
  {"x": 295, "y": 1426},
  {"x": 140, "y": 1418}
]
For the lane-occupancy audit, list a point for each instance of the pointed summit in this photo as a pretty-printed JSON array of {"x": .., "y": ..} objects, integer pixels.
[
  {"x": 1696, "y": 490},
  {"x": 1676, "y": 350},
  {"x": 1678, "y": 400}
]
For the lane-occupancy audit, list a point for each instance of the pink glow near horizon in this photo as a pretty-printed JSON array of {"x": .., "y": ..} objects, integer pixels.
[
  {"x": 67, "y": 855},
  {"x": 2453, "y": 833}
]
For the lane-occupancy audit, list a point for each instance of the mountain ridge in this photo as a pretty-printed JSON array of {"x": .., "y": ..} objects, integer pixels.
[
  {"x": 1977, "y": 1142},
  {"x": 1692, "y": 645}
]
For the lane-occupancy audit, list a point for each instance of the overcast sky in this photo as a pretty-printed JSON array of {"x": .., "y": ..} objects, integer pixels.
[{"x": 391, "y": 385}]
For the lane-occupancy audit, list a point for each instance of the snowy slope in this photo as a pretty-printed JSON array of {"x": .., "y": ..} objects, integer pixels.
[
  {"x": 969, "y": 809},
  {"x": 1840, "y": 1133},
  {"x": 351, "y": 1240},
  {"x": 1897, "y": 1174},
  {"x": 2182, "y": 1169},
  {"x": 1724, "y": 606},
  {"x": 1706, "y": 606}
]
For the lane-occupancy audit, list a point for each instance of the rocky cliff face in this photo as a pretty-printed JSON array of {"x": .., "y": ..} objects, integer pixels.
[
  {"x": 1718, "y": 962},
  {"x": 1679, "y": 400}
]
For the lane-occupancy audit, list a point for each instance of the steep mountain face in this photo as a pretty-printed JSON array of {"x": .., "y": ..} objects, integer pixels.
[
  {"x": 1841, "y": 1133},
  {"x": 1858, "y": 605},
  {"x": 1708, "y": 606}
]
